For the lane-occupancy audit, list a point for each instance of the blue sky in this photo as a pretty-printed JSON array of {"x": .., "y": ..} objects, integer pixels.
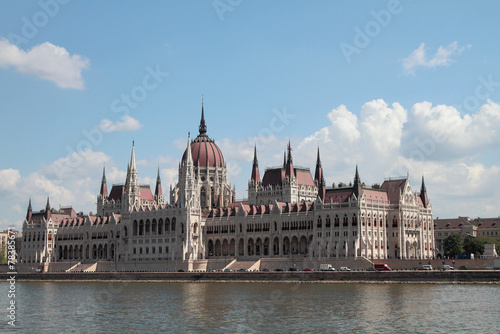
[{"x": 395, "y": 86}]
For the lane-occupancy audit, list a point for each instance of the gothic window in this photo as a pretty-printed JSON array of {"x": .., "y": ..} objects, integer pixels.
[{"x": 134, "y": 228}]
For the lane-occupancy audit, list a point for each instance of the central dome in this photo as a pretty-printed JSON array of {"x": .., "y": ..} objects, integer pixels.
[{"x": 204, "y": 151}]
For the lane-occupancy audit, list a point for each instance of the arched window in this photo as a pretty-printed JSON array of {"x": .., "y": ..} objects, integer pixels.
[
  {"x": 173, "y": 224},
  {"x": 160, "y": 226},
  {"x": 153, "y": 226},
  {"x": 141, "y": 227},
  {"x": 134, "y": 228}
]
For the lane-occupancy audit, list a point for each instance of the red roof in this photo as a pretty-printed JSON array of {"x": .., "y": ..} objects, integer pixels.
[
  {"x": 276, "y": 177},
  {"x": 146, "y": 193},
  {"x": 205, "y": 153},
  {"x": 375, "y": 196},
  {"x": 116, "y": 192},
  {"x": 338, "y": 195},
  {"x": 393, "y": 188},
  {"x": 304, "y": 177}
]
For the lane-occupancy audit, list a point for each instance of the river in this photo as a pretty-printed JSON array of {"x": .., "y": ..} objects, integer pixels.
[{"x": 154, "y": 307}]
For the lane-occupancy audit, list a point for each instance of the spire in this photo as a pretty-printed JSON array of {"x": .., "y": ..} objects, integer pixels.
[
  {"x": 104, "y": 189},
  {"x": 132, "y": 159},
  {"x": 318, "y": 174},
  {"x": 132, "y": 182},
  {"x": 357, "y": 188},
  {"x": 255, "y": 167},
  {"x": 423, "y": 194},
  {"x": 284, "y": 159},
  {"x": 158, "y": 190},
  {"x": 289, "y": 171},
  {"x": 189, "y": 155},
  {"x": 203, "y": 126},
  {"x": 47, "y": 209},
  {"x": 30, "y": 210}
]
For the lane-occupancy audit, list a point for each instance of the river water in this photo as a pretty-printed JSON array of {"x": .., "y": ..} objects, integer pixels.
[{"x": 155, "y": 307}]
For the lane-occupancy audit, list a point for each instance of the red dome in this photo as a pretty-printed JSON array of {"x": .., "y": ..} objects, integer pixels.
[
  {"x": 205, "y": 153},
  {"x": 203, "y": 150}
]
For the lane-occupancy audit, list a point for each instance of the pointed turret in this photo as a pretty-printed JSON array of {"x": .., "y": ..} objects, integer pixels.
[
  {"x": 158, "y": 191},
  {"x": 132, "y": 182},
  {"x": 255, "y": 168},
  {"x": 319, "y": 178},
  {"x": 132, "y": 158},
  {"x": 284, "y": 159},
  {"x": 289, "y": 171},
  {"x": 47, "y": 209},
  {"x": 189, "y": 155},
  {"x": 203, "y": 126},
  {"x": 30, "y": 212},
  {"x": 104, "y": 188},
  {"x": 423, "y": 194},
  {"x": 318, "y": 174},
  {"x": 357, "y": 186}
]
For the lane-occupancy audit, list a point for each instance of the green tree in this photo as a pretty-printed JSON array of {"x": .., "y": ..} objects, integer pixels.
[
  {"x": 475, "y": 245},
  {"x": 3, "y": 251},
  {"x": 453, "y": 245}
]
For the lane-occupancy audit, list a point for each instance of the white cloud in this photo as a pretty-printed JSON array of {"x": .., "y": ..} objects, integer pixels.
[
  {"x": 441, "y": 133},
  {"x": 76, "y": 164},
  {"x": 45, "y": 61},
  {"x": 127, "y": 123},
  {"x": 442, "y": 57},
  {"x": 9, "y": 179}
]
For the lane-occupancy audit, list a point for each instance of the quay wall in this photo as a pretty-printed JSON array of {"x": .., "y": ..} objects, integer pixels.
[{"x": 492, "y": 276}]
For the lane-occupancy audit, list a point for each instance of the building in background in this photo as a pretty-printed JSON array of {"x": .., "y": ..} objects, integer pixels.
[{"x": 488, "y": 227}]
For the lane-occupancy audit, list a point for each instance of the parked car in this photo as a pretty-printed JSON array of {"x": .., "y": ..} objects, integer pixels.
[
  {"x": 292, "y": 269},
  {"x": 426, "y": 267},
  {"x": 345, "y": 269},
  {"x": 462, "y": 268},
  {"x": 242, "y": 269},
  {"x": 278, "y": 269},
  {"x": 308, "y": 269},
  {"x": 227, "y": 270},
  {"x": 265, "y": 269},
  {"x": 180, "y": 270},
  {"x": 447, "y": 267}
]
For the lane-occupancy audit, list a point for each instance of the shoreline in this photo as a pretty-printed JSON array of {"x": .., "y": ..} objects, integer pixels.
[
  {"x": 266, "y": 282},
  {"x": 404, "y": 277}
]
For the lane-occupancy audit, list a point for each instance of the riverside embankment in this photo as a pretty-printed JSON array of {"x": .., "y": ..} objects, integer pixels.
[{"x": 431, "y": 276}]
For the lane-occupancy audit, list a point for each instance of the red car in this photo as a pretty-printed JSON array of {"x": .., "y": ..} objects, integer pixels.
[{"x": 308, "y": 269}]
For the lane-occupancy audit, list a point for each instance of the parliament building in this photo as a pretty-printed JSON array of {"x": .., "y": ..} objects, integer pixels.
[{"x": 290, "y": 215}]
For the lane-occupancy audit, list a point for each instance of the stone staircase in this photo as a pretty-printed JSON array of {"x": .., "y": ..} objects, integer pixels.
[
  {"x": 85, "y": 267},
  {"x": 247, "y": 265}
]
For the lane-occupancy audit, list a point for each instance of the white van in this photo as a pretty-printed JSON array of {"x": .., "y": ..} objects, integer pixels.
[{"x": 426, "y": 267}]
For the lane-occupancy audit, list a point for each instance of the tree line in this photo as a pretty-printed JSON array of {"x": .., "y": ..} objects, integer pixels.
[{"x": 456, "y": 244}]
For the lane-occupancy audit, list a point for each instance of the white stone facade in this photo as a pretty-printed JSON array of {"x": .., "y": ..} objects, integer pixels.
[{"x": 288, "y": 214}]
